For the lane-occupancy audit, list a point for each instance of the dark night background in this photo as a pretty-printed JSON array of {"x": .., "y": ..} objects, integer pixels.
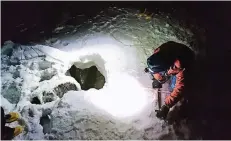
[{"x": 212, "y": 97}]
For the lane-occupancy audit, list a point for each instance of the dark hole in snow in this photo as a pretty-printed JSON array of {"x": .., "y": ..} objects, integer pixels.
[
  {"x": 35, "y": 100},
  {"x": 46, "y": 123},
  {"x": 87, "y": 78}
]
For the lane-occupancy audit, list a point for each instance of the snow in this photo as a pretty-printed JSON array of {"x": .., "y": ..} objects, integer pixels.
[{"x": 123, "y": 109}]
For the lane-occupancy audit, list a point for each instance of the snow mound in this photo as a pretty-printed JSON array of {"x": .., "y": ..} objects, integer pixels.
[{"x": 86, "y": 122}]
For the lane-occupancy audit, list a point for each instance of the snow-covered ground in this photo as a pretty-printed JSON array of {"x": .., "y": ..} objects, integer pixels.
[{"x": 118, "y": 46}]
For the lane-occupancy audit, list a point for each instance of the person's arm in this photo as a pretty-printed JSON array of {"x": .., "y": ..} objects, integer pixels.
[{"x": 173, "y": 98}]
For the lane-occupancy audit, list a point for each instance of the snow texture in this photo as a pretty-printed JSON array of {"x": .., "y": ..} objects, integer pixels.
[{"x": 118, "y": 46}]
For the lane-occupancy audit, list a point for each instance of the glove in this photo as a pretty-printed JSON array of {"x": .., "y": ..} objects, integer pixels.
[
  {"x": 163, "y": 112},
  {"x": 156, "y": 84},
  {"x": 11, "y": 117}
]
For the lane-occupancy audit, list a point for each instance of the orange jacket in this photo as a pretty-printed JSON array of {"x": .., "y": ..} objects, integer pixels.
[
  {"x": 179, "y": 86},
  {"x": 179, "y": 58}
]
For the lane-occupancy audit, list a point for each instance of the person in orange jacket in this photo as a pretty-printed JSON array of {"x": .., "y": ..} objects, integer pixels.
[{"x": 171, "y": 61}]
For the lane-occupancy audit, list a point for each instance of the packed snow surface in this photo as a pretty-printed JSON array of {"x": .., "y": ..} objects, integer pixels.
[{"x": 123, "y": 109}]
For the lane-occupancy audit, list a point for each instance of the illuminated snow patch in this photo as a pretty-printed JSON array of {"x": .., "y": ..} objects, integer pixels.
[
  {"x": 123, "y": 97},
  {"x": 122, "y": 94}
]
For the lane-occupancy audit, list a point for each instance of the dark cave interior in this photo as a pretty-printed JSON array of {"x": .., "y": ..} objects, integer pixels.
[{"x": 211, "y": 80}]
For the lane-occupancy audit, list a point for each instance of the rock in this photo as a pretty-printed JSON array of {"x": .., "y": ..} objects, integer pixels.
[
  {"x": 14, "y": 62},
  {"x": 48, "y": 97},
  {"x": 44, "y": 65},
  {"x": 47, "y": 75},
  {"x": 7, "y": 49},
  {"x": 61, "y": 89},
  {"x": 47, "y": 111},
  {"x": 16, "y": 74},
  {"x": 45, "y": 121},
  {"x": 12, "y": 94}
]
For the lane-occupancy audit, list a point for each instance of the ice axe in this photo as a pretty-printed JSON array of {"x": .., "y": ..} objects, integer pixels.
[
  {"x": 161, "y": 108},
  {"x": 158, "y": 100},
  {"x": 157, "y": 85}
]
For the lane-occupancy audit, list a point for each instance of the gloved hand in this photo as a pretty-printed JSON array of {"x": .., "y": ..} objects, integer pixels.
[
  {"x": 156, "y": 84},
  {"x": 163, "y": 112}
]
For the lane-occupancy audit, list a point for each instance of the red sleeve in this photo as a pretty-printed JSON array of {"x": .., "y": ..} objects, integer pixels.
[{"x": 179, "y": 86}]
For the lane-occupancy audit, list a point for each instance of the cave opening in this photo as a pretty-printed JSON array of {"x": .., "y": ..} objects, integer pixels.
[
  {"x": 35, "y": 100},
  {"x": 87, "y": 78}
]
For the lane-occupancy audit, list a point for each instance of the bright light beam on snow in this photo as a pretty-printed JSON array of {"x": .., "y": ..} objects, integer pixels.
[{"x": 122, "y": 95}]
